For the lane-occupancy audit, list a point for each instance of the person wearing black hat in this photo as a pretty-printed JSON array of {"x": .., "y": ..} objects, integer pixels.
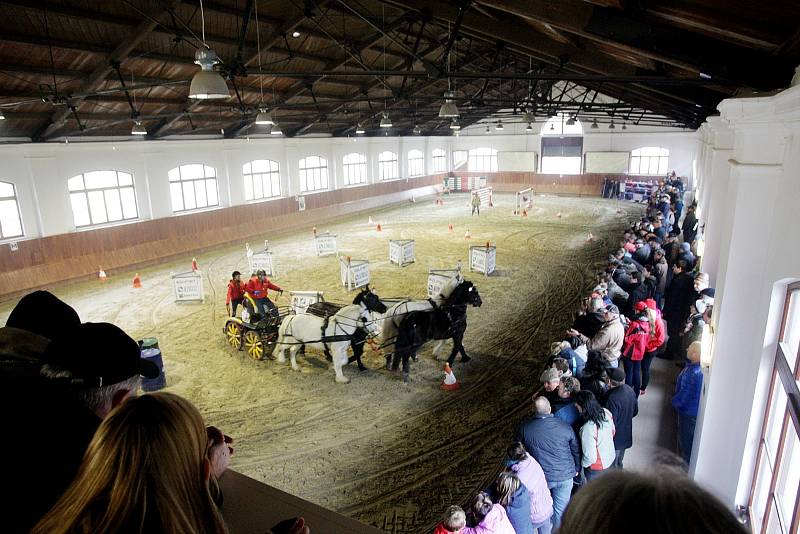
[
  {"x": 620, "y": 400},
  {"x": 85, "y": 373}
]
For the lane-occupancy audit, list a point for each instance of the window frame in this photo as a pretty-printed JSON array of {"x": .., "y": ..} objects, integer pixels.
[
  {"x": 465, "y": 161},
  {"x": 205, "y": 178},
  {"x": 488, "y": 162},
  {"x": 355, "y": 167},
  {"x": 274, "y": 176},
  {"x": 320, "y": 174},
  {"x": 662, "y": 161},
  {"x": 439, "y": 154},
  {"x": 788, "y": 381},
  {"x": 85, "y": 192},
  {"x": 391, "y": 165},
  {"x": 15, "y": 198},
  {"x": 417, "y": 161}
]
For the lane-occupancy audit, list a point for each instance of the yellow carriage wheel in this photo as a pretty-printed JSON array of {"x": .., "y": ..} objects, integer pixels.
[
  {"x": 253, "y": 345},
  {"x": 233, "y": 333}
]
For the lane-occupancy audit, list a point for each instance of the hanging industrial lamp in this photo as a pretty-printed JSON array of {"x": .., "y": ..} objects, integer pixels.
[
  {"x": 624, "y": 126},
  {"x": 499, "y": 126},
  {"x": 386, "y": 122},
  {"x": 571, "y": 121},
  {"x": 594, "y": 124},
  {"x": 487, "y": 129},
  {"x": 448, "y": 109},
  {"x": 359, "y": 128},
  {"x": 276, "y": 130},
  {"x": 454, "y": 125},
  {"x": 611, "y": 126},
  {"x": 529, "y": 129},
  {"x": 264, "y": 117},
  {"x": 417, "y": 130},
  {"x": 138, "y": 129},
  {"x": 2, "y": 116},
  {"x": 207, "y": 84}
]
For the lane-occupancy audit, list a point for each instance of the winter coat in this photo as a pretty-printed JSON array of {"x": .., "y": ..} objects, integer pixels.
[
  {"x": 441, "y": 530},
  {"x": 636, "y": 338},
  {"x": 553, "y": 444},
  {"x": 495, "y": 522},
  {"x": 589, "y": 324},
  {"x": 661, "y": 269},
  {"x": 236, "y": 290},
  {"x": 258, "y": 289},
  {"x": 598, "y": 444},
  {"x": 688, "y": 389},
  {"x": 569, "y": 414},
  {"x": 622, "y": 403},
  {"x": 518, "y": 510},
  {"x": 658, "y": 334},
  {"x": 476, "y": 200},
  {"x": 637, "y": 293},
  {"x": 678, "y": 299},
  {"x": 530, "y": 473},
  {"x": 641, "y": 254},
  {"x": 608, "y": 340},
  {"x": 689, "y": 227}
]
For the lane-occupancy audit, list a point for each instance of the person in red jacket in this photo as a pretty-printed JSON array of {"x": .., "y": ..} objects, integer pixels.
[
  {"x": 257, "y": 287},
  {"x": 235, "y": 293},
  {"x": 635, "y": 346},
  {"x": 658, "y": 335}
]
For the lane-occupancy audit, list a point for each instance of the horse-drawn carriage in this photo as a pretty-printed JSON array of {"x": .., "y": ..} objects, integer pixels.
[{"x": 252, "y": 333}]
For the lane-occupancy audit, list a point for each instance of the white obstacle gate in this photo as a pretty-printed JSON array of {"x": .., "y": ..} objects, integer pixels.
[
  {"x": 354, "y": 273},
  {"x": 325, "y": 244},
  {"x": 401, "y": 251},
  {"x": 188, "y": 286},
  {"x": 483, "y": 259},
  {"x": 261, "y": 259},
  {"x": 485, "y": 194},
  {"x": 301, "y": 300},
  {"x": 438, "y": 278},
  {"x": 524, "y": 201}
]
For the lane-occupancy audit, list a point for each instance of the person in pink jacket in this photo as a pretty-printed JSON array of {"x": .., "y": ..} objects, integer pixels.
[
  {"x": 488, "y": 518},
  {"x": 531, "y": 475}
]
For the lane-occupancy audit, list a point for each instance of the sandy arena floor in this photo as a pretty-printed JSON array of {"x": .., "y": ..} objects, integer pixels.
[{"x": 391, "y": 454}]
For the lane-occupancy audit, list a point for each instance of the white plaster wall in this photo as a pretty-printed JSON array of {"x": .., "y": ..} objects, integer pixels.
[{"x": 40, "y": 171}]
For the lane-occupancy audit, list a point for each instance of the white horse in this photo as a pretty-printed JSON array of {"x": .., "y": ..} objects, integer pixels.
[
  {"x": 311, "y": 331},
  {"x": 390, "y": 321}
]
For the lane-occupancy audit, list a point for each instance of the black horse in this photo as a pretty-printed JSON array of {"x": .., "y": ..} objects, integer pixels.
[
  {"x": 448, "y": 321},
  {"x": 357, "y": 339}
]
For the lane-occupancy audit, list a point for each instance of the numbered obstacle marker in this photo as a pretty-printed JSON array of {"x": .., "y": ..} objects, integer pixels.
[
  {"x": 438, "y": 278},
  {"x": 301, "y": 300},
  {"x": 354, "y": 273},
  {"x": 188, "y": 286},
  {"x": 261, "y": 259},
  {"x": 326, "y": 244},
  {"x": 401, "y": 251},
  {"x": 483, "y": 259}
]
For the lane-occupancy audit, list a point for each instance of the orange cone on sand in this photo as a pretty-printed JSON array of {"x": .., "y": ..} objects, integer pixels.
[
  {"x": 590, "y": 238},
  {"x": 378, "y": 228},
  {"x": 314, "y": 230},
  {"x": 450, "y": 383},
  {"x": 101, "y": 274},
  {"x": 450, "y": 227},
  {"x": 137, "y": 282},
  {"x": 466, "y": 234},
  {"x": 524, "y": 213},
  {"x": 194, "y": 264},
  {"x": 369, "y": 222}
]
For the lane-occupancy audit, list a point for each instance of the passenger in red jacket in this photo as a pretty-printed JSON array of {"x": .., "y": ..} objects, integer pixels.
[
  {"x": 635, "y": 346},
  {"x": 235, "y": 293},
  {"x": 658, "y": 335},
  {"x": 257, "y": 287}
]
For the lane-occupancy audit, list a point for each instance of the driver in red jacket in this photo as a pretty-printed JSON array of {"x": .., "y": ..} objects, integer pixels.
[{"x": 257, "y": 288}]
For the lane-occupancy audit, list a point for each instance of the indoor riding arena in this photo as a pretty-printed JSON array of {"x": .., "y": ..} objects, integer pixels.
[{"x": 400, "y": 266}]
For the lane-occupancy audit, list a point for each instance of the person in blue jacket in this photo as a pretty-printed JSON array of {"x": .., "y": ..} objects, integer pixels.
[{"x": 686, "y": 400}]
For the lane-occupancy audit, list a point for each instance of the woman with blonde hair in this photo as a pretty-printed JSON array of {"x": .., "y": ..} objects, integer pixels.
[
  {"x": 510, "y": 493},
  {"x": 146, "y": 470}
]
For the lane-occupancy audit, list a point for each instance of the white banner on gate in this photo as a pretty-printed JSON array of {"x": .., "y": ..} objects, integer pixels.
[
  {"x": 301, "y": 300},
  {"x": 326, "y": 244},
  {"x": 483, "y": 259},
  {"x": 188, "y": 286},
  {"x": 354, "y": 273},
  {"x": 261, "y": 260},
  {"x": 438, "y": 278},
  {"x": 402, "y": 251}
]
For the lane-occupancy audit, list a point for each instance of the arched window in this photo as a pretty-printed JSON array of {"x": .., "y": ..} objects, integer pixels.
[
  {"x": 387, "y": 166},
  {"x": 649, "y": 160},
  {"x": 439, "y": 160},
  {"x": 10, "y": 221},
  {"x": 193, "y": 187},
  {"x": 355, "y": 169},
  {"x": 482, "y": 160},
  {"x": 416, "y": 163},
  {"x": 562, "y": 145},
  {"x": 459, "y": 159},
  {"x": 101, "y": 197},
  {"x": 262, "y": 179},
  {"x": 313, "y": 173}
]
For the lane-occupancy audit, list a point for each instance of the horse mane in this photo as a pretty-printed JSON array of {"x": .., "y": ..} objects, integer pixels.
[{"x": 458, "y": 292}]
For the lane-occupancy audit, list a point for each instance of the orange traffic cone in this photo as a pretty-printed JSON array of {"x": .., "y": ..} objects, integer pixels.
[
  {"x": 590, "y": 238},
  {"x": 314, "y": 230},
  {"x": 101, "y": 275},
  {"x": 488, "y": 244},
  {"x": 194, "y": 264},
  {"x": 524, "y": 213},
  {"x": 378, "y": 228},
  {"x": 450, "y": 382},
  {"x": 466, "y": 234},
  {"x": 369, "y": 222},
  {"x": 450, "y": 227},
  {"x": 137, "y": 282}
]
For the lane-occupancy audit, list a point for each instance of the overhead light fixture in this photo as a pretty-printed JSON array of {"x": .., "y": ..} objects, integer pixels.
[
  {"x": 552, "y": 127},
  {"x": 295, "y": 34},
  {"x": 705, "y": 76},
  {"x": 529, "y": 129},
  {"x": 624, "y": 126},
  {"x": 454, "y": 125},
  {"x": 207, "y": 84},
  {"x": 571, "y": 121},
  {"x": 611, "y": 126},
  {"x": 499, "y": 126},
  {"x": 386, "y": 122},
  {"x": 276, "y": 130},
  {"x": 138, "y": 129},
  {"x": 417, "y": 130},
  {"x": 359, "y": 128},
  {"x": 594, "y": 124},
  {"x": 487, "y": 129},
  {"x": 448, "y": 109},
  {"x": 264, "y": 117},
  {"x": 2, "y": 116}
]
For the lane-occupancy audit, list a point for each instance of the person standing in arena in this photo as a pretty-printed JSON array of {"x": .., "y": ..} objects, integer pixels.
[
  {"x": 257, "y": 287},
  {"x": 235, "y": 295},
  {"x": 476, "y": 204}
]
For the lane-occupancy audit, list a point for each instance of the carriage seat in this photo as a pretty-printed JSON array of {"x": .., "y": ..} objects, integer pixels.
[{"x": 324, "y": 309}]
